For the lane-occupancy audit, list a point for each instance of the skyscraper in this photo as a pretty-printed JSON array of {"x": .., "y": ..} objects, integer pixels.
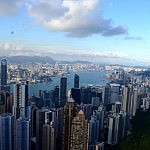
[
  {"x": 48, "y": 137},
  {"x": 55, "y": 96},
  {"x": 79, "y": 132},
  {"x": 87, "y": 109},
  {"x": 100, "y": 118},
  {"x": 3, "y": 72},
  {"x": 3, "y": 101},
  {"x": 63, "y": 91},
  {"x": 40, "y": 121},
  {"x": 76, "y": 81},
  {"x": 117, "y": 127},
  {"x": 106, "y": 94},
  {"x": 76, "y": 95},
  {"x": 22, "y": 134},
  {"x": 93, "y": 132},
  {"x": 59, "y": 129},
  {"x": 114, "y": 92},
  {"x": 20, "y": 100},
  {"x": 113, "y": 129},
  {"x": 129, "y": 99},
  {"x": 6, "y": 132},
  {"x": 68, "y": 117}
]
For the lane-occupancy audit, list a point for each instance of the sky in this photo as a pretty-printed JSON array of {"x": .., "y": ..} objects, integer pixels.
[{"x": 93, "y": 30}]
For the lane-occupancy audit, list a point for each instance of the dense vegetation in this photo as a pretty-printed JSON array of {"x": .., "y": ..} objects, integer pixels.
[{"x": 139, "y": 139}]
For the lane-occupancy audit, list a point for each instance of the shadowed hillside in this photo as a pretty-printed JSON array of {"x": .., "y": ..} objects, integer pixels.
[{"x": 140, "y": 137}]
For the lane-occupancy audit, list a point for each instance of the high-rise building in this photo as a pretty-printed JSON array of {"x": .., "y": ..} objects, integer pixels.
[
  {"x": 20, "y": 100},
  {"x": 114, "y": 92},
  {"x": 106, "y": 95},
  {"x": 113, "y": 129},
  {"x": 48, "y": 137},
  {"x": 67, "y": 120},
  {"x": 3, "y": 101},
  {"x": 55, "y": 96},
  {"x": 126, "y": 98},
  {"x": 3, "y": 88},
  {"x": 79, "y": 132},
  {"x": 63, "y": 91},
  {"x": 9, "y": 104},
  {"x": 76, "y": 81},
  {"x": 117, "y": 127},
  {"x": 40, "y": 121},
  {"x": 93, "y": 132},
  {"x": 33, "y": 121},
  {"x": 87, "y": 109},
  {"x": 22, "y": 134},
  {"x": 59, "y": 128},
  {"x": 33, "y": 127},
  {"x": 99, "y": 114},
  {"x": 3, "y": 72},
  {"x": 100, "y": 146},
  {"x": 117, "y": 107},
  {"x": 6, "y": 132},
  {"x": 129, "y": 99},
  {"x": 76, "y": 95}
]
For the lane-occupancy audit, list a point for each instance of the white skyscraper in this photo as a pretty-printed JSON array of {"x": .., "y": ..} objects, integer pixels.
[{"x": 20, "y": 100}]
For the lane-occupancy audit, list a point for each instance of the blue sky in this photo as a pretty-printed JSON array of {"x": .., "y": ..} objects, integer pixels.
[{"x": 114, "y": 29}]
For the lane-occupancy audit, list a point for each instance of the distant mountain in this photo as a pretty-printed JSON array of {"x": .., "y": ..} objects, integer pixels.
[
  {"x": 29, "y": 59},
  {"x": 82, "y": 62},
  {"x": 71, "y": 59},
  {"x": 74, "y": 62},
  {"x": 38, "y": 59}
]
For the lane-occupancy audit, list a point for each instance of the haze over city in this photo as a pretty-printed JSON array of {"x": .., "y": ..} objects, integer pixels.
[{"x": 112, "y": 30}]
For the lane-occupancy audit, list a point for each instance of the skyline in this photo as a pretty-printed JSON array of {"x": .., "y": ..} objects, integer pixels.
[{"x": 111, "y": 29}]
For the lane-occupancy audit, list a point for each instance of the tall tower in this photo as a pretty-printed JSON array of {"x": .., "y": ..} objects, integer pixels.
[
  {"x": 93, "y": 132},
  {"x": 117, "y": 127},
  {"x": 59, "y": 129},
  {"x": 20, "y": 100},
  {"x": 114, "y": 92},
  {"x": 55, "y": 96},
  {"x": 100, "y": 118},
  {"x": 79, "y": 132},
  {"x": 6, "y": 132},
  {"x": 63, "y": 91},
  {"x": 48, "y": 137},
  {"x": 22, "y": 134},
  {"x": 3, "y": 72},
  {"x": 113, "y": 129},
  {"x": 40, "y": 121},
  {"x": 129, "y": 99},
  {"x": 76, "y": 81},
  {"x": 68, "y": 117}
]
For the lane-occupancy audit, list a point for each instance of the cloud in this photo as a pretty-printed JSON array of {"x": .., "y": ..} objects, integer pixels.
[
  {"x": 10, "y": 7},
  {"x": 8, "y": 49},
  {"x": 133, "y": 38},
  {"x": 77, "y": 18},
  {"x": 115, "y": 31}
]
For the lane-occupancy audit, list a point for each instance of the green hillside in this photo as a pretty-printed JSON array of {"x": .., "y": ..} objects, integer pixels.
[{"x": 140, "y": 137}]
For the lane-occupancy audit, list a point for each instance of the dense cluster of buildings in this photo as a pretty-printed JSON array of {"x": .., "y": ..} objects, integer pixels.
[
  {"x": 39, "y": 72},
  {"x": 83, "y": 118}
]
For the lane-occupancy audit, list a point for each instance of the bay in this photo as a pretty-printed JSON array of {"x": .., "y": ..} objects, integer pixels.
[{"x": 85, "y": 77}]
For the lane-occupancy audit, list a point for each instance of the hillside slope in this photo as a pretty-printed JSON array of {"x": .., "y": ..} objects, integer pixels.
[{"x": 139, "y": 139}]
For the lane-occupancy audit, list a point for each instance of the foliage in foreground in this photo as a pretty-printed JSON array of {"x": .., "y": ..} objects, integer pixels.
[{"x": 139, "y": 139}]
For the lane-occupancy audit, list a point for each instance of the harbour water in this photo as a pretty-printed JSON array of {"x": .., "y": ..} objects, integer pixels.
[{"x": 86, "y": 78}]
